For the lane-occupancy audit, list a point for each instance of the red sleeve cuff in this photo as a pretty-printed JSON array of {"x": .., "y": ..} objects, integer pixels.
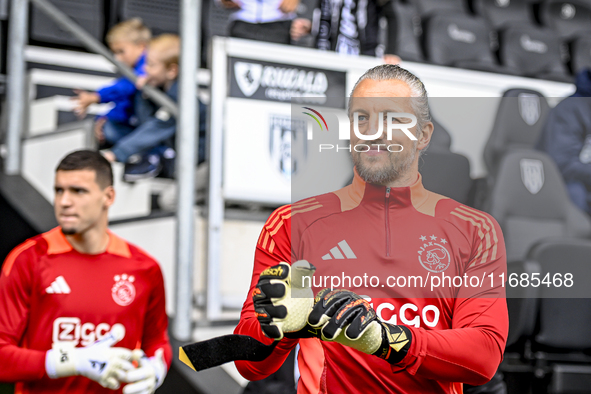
[{"x": 413, "y": 359}]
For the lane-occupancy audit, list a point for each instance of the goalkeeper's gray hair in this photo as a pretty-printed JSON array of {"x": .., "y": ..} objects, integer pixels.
[{"x": 419, "y": 101}]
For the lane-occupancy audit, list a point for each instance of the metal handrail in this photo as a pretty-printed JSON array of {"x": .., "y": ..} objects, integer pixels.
[
  {"x": 188, "y": 119},
  {"x": 93, "y": 45}
]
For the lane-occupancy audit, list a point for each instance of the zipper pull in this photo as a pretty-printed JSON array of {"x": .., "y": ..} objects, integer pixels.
[{"x": 387, "y": 192}]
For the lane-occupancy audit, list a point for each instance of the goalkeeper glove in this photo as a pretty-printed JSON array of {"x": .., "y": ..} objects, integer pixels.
[
  {"x": 99, "y": 361},
  {"x": 148, "y": 377},
  {"x": 348, "y": 319},
  {"x": 281, "y": 301}
]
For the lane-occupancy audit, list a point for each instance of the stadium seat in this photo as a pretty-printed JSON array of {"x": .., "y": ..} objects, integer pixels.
[
  {"x": 519, "y": 120},
  {"x": 522, "y": 305},
  {"x": 566, "y": 18},
  {"x": 549, "y": 304},
  {"x": 443, "y": 171},
  {"x": 530, "y": 202},
  {"x": 86, "y": 13},
  {"x": 430, "y": 7},
  {"x": 438, "y": 165},
  {"x": 580, "y": 54},
  {"x": 499, "y": 13},
  {"x": 162, "y": 16},
  {"x": 446, "y": 173},
  {"x": 440, "y": 140},
  {"x": 570, "y": 378},
  {"x": 533, "y": 52},
  {"x": 557, "y": 351},
  {"x": 564, "y": 256},
  {"x": 403, "y": 36},
  {"x": 459, "y": 41}
]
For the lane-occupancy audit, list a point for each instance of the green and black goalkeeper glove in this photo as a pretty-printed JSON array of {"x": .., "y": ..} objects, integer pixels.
[
  {"x": 283, "y": 300},
  {"x": 348, "y": 319}
]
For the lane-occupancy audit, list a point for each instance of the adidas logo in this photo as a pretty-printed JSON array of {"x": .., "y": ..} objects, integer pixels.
[
  {"x": 58, "y": 286},
  {"x": 338, "y": 251}
]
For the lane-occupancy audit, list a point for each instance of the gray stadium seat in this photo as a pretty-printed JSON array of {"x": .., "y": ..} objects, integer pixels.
[
  {"x": 162, "y": 16},
  {"x": 459, "y": 41},
  {"x": 570, "y": 378},
  {"x": 501, "y": 12},
  {"x": 545, "y": 309},
  {"x": 530, "y": 202},
  {"x": 533, "y": 52},
  {"x": 87, "y": 13},
  {"x": 580, "y": 54},
  {"x": 556, "y": 350},
  {"x": 559, "y": 256},
  {"x": 443, "y": 171},
  {"x": 430, "y": 7},
  {"x": 519, "y": 120},
  {"x": 446, "y": 173},
  {"x": 566, "y": 18},
  {"x": 440, "y": 140},
  {"x": 522, "y": 304},
  {"x": 403, "y": 36}
]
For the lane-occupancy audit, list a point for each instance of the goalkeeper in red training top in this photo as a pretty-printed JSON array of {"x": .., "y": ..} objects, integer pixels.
[
  {"x": 82, "y": 310},
  {"x": 428, "y": 337}
]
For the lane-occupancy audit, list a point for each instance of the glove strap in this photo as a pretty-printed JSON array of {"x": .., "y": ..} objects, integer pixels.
[
  {"x": 307, "y": 332},
  {"x": 396, "y": 341}
]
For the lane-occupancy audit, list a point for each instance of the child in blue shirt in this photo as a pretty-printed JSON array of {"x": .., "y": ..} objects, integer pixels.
[
  {"x": 148, "y": 149},
  {"x": 128, "y": 40}
]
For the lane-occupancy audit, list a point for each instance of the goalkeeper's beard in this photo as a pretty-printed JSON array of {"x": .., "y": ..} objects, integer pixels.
[{"x": 396, "y": 165}]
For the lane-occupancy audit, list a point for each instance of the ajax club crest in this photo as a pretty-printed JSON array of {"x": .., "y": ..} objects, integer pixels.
[
  {"x": 433, "y": 254},
  {"x": 123, "y": 290}
]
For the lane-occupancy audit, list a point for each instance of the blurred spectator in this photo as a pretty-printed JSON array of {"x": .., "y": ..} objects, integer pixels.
[
  {"x": 261, "y": 20},
  {"x": 348, "y": 26},
  {"x": 148, "y": 149},
  {"x": 128, "y": 41},
  {"x": 567, "y": 138}
]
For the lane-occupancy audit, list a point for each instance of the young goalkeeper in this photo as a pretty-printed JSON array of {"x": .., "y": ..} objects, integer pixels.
[{"x": 78, "y": 304}]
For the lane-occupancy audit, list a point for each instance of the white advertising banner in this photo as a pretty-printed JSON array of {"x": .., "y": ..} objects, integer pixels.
[
  {"x": 257, "y": 151},
  {"x": 268, "y": 157}
]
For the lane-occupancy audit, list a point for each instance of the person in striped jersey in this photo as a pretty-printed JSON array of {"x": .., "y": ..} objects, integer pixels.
[{"x": 391, "y": 244}]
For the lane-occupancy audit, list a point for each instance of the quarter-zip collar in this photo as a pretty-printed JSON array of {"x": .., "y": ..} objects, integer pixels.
[{"x": 414, "y": 195}]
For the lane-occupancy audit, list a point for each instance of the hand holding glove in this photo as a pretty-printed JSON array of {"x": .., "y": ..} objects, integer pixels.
[
  {"x": 283, "y": 300},
  {"x": 148, "y": 376},
  {"x": 99, "y": 361},
  {"x": 344, "y": 317}
]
